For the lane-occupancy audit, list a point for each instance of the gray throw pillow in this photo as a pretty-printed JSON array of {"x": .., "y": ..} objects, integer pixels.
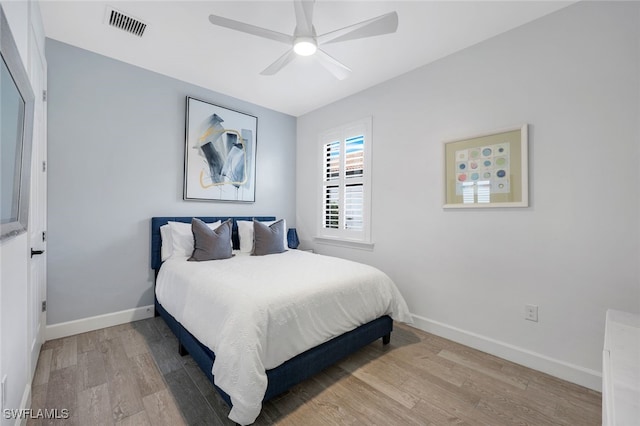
[
  {"x": 268, "y": 239},
  {"x": 210, "y": 244}
]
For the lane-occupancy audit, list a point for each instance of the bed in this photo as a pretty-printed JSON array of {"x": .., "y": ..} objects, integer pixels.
[{"x": 274, "y": 360}]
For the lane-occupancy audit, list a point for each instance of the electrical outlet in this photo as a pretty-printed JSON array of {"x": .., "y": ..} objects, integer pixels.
[{"x": 531, "y": 312}]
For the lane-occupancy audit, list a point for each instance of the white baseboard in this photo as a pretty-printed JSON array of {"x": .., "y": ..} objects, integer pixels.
[
  {"x": 69, "y": 328},
  {"x": 572, "y": 373},
  {"x": 24, "y": 405}
]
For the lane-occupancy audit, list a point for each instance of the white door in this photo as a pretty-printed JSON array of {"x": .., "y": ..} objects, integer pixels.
[{"x": 36, "y": 294}]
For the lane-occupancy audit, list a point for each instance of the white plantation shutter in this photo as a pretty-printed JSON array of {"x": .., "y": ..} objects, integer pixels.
[
  {"x": 354, "y": 186},
  {"x": 345, "y": 182},
  {"x": 332, "y": 160},
  {"x": 355, "y": 156},
  {"x": 353, "y": 207},
  {"x": 331, "y": 188},
  {"x": 332, "y": 207}
]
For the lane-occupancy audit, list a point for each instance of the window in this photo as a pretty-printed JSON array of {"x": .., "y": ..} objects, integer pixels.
[{"x": 345, "y": 181}]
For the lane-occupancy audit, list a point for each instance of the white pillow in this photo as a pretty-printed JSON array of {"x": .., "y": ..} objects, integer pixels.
[
  {"x": 182, "y": 237},
  {"x": 245, "y": 233},
  {"x": 167, "y": 244}
]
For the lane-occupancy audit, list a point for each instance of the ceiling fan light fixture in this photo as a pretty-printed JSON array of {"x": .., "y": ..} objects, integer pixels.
[
  {"x": 304, "y": 41},
  {"x": 305, "y": 46}
]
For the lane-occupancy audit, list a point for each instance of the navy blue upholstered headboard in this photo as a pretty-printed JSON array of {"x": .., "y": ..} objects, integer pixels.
[{"x": 157, "y": 222}]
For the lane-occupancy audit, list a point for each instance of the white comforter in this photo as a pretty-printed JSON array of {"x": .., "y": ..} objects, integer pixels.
[{"x": 256, "y": 312}]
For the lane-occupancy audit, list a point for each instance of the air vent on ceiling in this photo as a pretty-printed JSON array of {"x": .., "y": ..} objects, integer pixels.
[{"x": 127, "y": 23}]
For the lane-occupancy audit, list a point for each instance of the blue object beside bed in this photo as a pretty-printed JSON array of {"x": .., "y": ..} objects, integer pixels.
[{"x": 290, "y": 373}]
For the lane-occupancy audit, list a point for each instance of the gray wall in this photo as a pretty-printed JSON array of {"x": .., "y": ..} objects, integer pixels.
[
  {"x": 116, "y": 155},
  {"x": 574, "y": 76}
]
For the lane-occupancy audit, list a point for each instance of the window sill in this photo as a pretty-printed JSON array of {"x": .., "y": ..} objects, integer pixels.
[{"x": 360, "y": 245}]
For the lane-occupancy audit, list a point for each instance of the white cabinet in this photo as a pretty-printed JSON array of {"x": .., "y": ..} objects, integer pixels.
[{"x": 621, "y": 370}]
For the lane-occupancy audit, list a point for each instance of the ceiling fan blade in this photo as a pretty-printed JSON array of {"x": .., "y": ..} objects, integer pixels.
[
  {"x": 304, "y": 17},
  {"x": 339, "y": 70},
  {"x": 383, "y": 24},
  {"x": 279, "y": 63},
  {"x": 250, "y": 29}
]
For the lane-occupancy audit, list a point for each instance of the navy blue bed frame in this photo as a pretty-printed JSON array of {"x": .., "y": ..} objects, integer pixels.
[{"x": 290, "y": 373}]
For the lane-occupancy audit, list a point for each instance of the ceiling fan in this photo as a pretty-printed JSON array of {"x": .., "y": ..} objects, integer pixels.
[{"x": 305, "y": 42}]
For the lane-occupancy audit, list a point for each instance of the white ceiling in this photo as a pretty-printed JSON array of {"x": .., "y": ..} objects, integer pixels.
[{"x": 180, "y": 42}]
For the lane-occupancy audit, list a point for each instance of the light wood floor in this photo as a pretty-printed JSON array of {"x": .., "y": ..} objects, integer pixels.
[{"x": 132, "y": 375}]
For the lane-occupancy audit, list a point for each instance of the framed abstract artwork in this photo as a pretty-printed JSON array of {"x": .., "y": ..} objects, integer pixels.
[
  {"x": 488, "y": 170},
  {"x": 220, "y": 153}
]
